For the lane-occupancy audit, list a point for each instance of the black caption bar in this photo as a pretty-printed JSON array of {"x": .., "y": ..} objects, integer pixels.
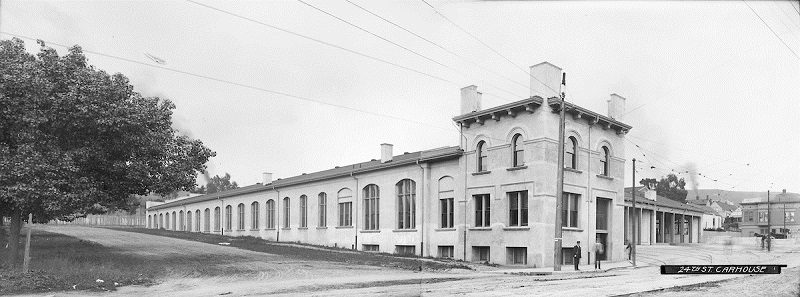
[{"x": 721, "y": 269}]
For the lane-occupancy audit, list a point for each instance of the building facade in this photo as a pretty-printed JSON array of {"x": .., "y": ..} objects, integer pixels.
[
  {"x": 490, "y": 199},
  {"x": 774, "y": 217}
]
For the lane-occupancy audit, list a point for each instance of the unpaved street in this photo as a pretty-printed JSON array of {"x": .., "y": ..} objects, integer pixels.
[{"x": 281, "y": 276}]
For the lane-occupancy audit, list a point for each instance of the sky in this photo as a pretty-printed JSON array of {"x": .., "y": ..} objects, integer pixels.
[{"x": 292, "y": 87}]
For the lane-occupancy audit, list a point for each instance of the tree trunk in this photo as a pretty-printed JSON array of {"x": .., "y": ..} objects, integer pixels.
[{"x": 13, "y": 239}]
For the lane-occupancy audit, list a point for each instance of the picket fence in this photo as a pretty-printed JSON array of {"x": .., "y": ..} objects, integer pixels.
[{"x": 106, "y": 220}]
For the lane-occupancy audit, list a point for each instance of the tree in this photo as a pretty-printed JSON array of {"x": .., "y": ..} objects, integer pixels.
[
  {"x": 670, "y": 187},
  {"x": 75, "y": 140},
  {"x": 216, "y": 184}
]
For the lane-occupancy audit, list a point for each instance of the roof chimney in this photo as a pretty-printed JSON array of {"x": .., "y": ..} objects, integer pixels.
[
  {"x": 470, "y": 99},
  {"x": 784, "y": 191},
  {"x": 616, "y": 107},
  {"x": 386, "y": 152},
  {"x": 545, "y": 80},
  {"x": 267, "y": 178}
]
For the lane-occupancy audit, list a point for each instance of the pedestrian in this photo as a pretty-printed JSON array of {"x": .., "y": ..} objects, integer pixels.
[
  {"x": 576, "y": 258},
  {"x": 628, "y": 248},
  {"x": 598, "y": 249}
]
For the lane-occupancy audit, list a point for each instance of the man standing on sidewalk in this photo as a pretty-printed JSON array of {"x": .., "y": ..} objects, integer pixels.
[
  {"x": 598, "y": 249},
  {"x": 576, "y": 258}
]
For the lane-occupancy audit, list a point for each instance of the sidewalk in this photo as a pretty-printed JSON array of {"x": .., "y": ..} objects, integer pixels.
[{"x": 566, "y": 269}]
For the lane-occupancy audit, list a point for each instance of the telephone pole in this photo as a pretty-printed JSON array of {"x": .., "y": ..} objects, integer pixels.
[
  {"x": 560, "y": 181},
  {"x": 769, "y": 227},
  {"x": 634, "y": 218}
]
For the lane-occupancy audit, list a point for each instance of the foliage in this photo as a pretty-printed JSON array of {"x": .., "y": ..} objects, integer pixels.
[
  {"x": 75, "y": 140},
  {"x": 216, "y": 184},
  {"x": 670, "y": 187}
]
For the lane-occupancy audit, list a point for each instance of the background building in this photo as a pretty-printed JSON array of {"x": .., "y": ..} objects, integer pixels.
[{"x": 780, "y": 210}]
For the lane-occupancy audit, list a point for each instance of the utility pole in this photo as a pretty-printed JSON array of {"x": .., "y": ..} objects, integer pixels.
[
  {"x": 560, "y": 180},
  {"x": 769, "y": 228},
  {"x": 634, "y": 219}
]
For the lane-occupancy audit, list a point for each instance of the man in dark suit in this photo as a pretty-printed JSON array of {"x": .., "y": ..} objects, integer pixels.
[{"x": 577, "y": 257}]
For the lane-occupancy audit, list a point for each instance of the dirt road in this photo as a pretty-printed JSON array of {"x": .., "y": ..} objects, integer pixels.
[{"x": 282, "y": 276}]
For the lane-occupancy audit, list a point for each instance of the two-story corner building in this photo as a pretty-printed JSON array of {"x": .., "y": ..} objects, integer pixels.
[
  {"x": 490, "y": 199},
  {"x": 774, "y": 217}
]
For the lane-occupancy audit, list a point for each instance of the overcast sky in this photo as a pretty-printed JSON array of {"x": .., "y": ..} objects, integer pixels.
[{"x": 707, "y": 83}]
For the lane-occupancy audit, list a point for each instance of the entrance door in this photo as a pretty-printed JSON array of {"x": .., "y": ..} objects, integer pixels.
[{"x": 602, "y": 238}]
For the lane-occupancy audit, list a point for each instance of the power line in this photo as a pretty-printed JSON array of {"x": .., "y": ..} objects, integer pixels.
[
  {"x": 435, "y": 44},
  {"x": 334, "y": 46},
  {"x": 486, "y": 45},
  {"x": 395, "y": 43},
  {"x": 773, "y": 31},
  {"x": 786, "y": 14}
]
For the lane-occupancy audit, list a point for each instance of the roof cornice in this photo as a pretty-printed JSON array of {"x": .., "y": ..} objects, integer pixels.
[
  {"x": 494, "y": 113},
  {"x": 591, "y": 117}
]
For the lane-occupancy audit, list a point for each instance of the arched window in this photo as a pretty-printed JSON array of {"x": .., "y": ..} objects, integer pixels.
[
  {"x": 189, "y": 221},
  {"x": 181, "y": 221},
  {"x": 323, "y": 210},
  {"x": 570, "y": 153},
  {"x": 519, "y": 152},
  {"x": 174, "y": 221},
  {"x": 482, "y": 156},
  {"x": 149, "y": 221},
  {"x": 160, "y": 221},
  {"x": 197, "y": 220},
  {"x": 217, "y": 217},
  {"x": 207, "y": 222},
  {"x": 303, "y": 211},
  {"x": 406, "y": 206},
  {"x": 372, "y": 207},
  {"x": 345, "y": 201},
  {"x": 240, "y": 209},
  {"x": 604, "y": 158},
  {"x": 167, "y": 225},
  {"x": 254, "y": 215},
  {"x": 446, "y": 199},
  {"x": 228, "y": 218},
  {"x": 270, "y": 214},
  {"x": 286, "y": 212}
]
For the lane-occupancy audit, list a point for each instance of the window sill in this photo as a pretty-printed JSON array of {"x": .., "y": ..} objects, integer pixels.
[
  {"x": 481, "y": 172},
  {"x": 324, "y": 227},
  {"x": 572, "y": 170},
  {"x": 517, "y": 228},
  {"x": 239, "y": 230},
  {"x": 480, "y": 229},
  {"x": 344, "y": 227},
  {"x": 255, "y": 230},
  {"x": 285, "y": 228},
  {"x": 270, "y": 229},
  {"x": 605, "y": 177},
  {"x": 302, "y": 228},
  {"x": 445, "y": 229},
  {"x": 370, "y": 231},
  {"x": 404, "y": 230},
  {"x": 573, "y": 229},
  {"x": 517, "y": 168}
]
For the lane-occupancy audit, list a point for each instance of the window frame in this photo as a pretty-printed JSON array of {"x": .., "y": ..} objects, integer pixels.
[
  {"x": 270, "y": 219},
  {"x": 517, "y": 151},
  {"x": 346, "y": 214},
  {"x": 570, "y": 153},
  {"x": 303, "y": 211},
  {"x": 372, "y": 204},
  {"x": 406, "y": 204},
  {"x": 604, "y": 160},
  {"x": 197, "y": 220},
  {"x": 207, "y": 222},
  {"x": 217, "y": 217},
  {"x": 229, "y": 218},
  {"x": 446, "y": 212},
  {"x": 570, "y": 210},
  {"x": 240, "y": 210},
  {"x": 518, "y": 208},
  {"x": 287, "y": 212},
  {"x": 323, "y": 209},
  {"x": 483, "y": 210},
  {"x": 482, "y": 156},
  {"x": 254, "y": 215}
]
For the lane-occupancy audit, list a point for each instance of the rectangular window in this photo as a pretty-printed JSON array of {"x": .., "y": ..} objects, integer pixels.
[
  {"x": 371, "y": 248},
  {"x": 518, "y": 208},
  {"x": 788, "y": 216},
  {"x": 517, "y": 255},
  {"x": 602, "y": 214},
  {"x": 303, "y": 211},
  {"x": 323, "y": 210},
  {"x": 762, "y": 216},
  {"x": 569, "y": 210},
  {"x": 217, "y": 223},
  {"x": 405, "y": 249},
  {"x": 482, "y": 210},
  {"x": 446, "y": 211},
  {"x": 241, "y": 216},
  {"x": 346, "y": 214},
  {"x": 446, "y": 251},
  {"x": 480, "y": 254}
]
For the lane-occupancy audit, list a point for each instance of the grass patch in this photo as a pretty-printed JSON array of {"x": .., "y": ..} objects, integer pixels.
[
  {"x": 312, "y": 252},
  {"x": 64, "y": 263},
  {"x": 60, "y": 262}
]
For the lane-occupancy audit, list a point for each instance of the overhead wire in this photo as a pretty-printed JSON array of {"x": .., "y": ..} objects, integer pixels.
[{"x": 771, "y": 30}]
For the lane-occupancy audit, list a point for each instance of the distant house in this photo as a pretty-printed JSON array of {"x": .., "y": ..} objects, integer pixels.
[
  {"x": 776, "y": 216},
  {"x": 727, "y": 213}
]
